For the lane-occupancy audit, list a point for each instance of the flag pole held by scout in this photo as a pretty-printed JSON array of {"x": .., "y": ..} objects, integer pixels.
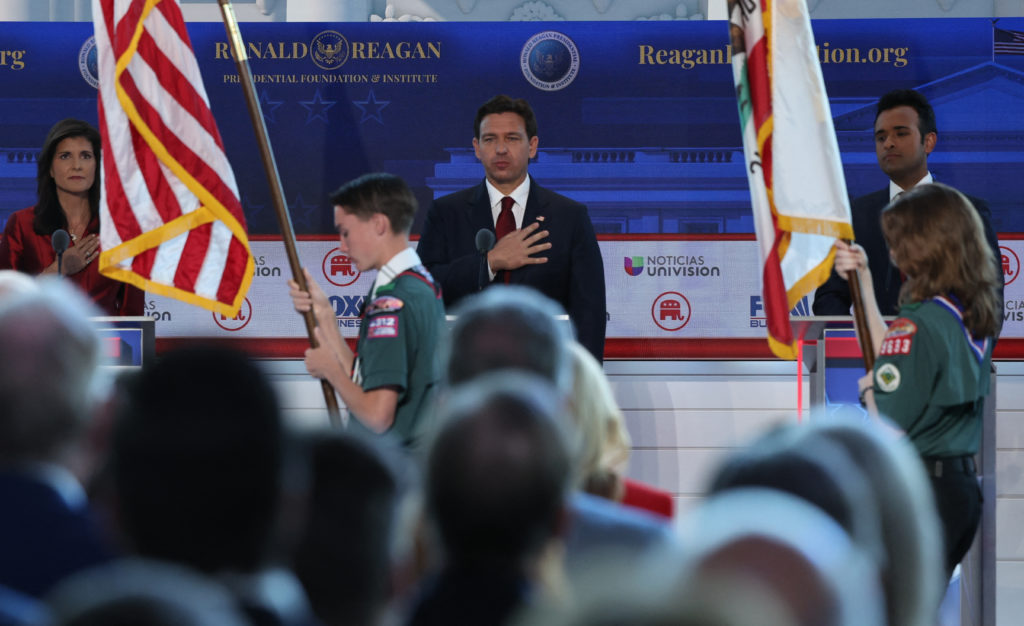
[
  {"x": 797, "y": 188},
  {"x": 277, "y": 191}
]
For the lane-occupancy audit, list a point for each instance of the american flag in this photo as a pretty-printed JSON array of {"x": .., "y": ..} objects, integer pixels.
[
  {"x": 170, "y": 217},
  {"x": 1007, "y": 41}
]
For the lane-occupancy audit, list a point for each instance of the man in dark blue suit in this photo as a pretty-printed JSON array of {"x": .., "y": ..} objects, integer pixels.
[
  {"x": 48, "y": 362},
  {"x": 544, "y": 240},
  {"x": 905, "y": 134}
]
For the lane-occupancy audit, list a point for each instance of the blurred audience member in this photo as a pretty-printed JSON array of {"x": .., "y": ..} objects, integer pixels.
[
  {"x": 68, "y": 185},
  {"x": 512, "y": 328},
  {"x": 605, "y": 442},
  {"x": 13, "y": 282},
  {"x": 49, "y": 392},
  {"x": 497, "y": 476},
  {"x": 346, "y": 553},
  {"x": 822, "y": 475},
  {"x": 198, "y": 470},
  {"x": 137, "y": 592},
  {"x": 911, "y": 533},
  {"x": 785, "y": 548}
]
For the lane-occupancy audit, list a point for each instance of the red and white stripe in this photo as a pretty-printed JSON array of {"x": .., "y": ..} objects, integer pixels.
[{"x": 170, "y": 218}]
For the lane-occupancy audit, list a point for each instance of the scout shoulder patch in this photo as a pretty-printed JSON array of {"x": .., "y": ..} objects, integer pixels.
[
  {"x": 888, "y": 377},
  {"x": 382, "y": 326},
  {"x": 384, "y": 304},
  {"x": 899, "y": 338}
]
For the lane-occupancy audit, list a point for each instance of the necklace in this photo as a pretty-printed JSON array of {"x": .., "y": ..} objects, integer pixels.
[{"x": 74, "y": 237}]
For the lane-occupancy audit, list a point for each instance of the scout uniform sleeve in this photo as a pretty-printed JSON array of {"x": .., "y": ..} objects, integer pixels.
[
  {"x": 905, "y": 372},
  {"x": 384, "y": 360}
]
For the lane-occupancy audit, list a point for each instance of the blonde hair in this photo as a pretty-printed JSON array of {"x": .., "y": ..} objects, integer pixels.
[
  {"x": 605, "y": 443},
  {"x": 937, "y": 240}
]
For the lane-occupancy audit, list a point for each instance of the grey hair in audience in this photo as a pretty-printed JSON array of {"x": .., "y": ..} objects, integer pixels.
[
  {"x": 133, "y": 592},
  {"x": 49, "y": 354},
  {"x": 509, "y": 327},
  {"x": 911, "y": 535}
]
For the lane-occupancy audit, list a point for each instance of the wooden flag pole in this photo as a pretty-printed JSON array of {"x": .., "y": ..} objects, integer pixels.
[
  {"x": 277, "y": 191},
  {"x": 867, "y": 346}
]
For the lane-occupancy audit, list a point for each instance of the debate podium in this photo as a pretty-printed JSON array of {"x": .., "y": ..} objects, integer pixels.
[{"x": 126, "y": 342}]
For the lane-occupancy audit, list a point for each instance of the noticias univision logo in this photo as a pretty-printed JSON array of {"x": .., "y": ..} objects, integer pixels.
[{"x": 633, "y": 265}]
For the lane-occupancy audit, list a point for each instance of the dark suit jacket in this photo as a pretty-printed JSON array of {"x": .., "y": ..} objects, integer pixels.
[
  {"x": 833, "y": 297},
  {"x": 573, "y": 275},
  {"x": 43, "y": 538}
]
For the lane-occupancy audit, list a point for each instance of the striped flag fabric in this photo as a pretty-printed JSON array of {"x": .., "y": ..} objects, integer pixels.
[
  {"x": 170, "y": 217},
  {"x": 797, "y": 189},
  {"x": 1007, "y": 41}
]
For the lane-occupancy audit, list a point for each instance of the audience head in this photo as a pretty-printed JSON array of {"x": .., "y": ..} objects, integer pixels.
[
  {"x": 343, "y": 557},
  {"x": 767, "y": 543},
  {"x": 498, "y": 472},
  {"x": 49, "y": 216},
  {"x": 134, "y": 592},
  {"x": 508, "y": 327},
  {"x": 936, "y": 238},
  {"x": 822, "y": 475},
  {"x": 13, "y": 282},
  {"x": 49, "y": 384},
  {"x": 604, "y": 440},
  {"x": 911, "y": 535},
  {"x": 197, "y": 461}
]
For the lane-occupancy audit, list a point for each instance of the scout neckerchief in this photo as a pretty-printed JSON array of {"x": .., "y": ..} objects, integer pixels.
[{"x": 978, "y": 346}]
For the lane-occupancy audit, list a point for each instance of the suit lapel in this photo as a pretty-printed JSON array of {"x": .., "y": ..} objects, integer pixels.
[{"x": 479, "y": 210}]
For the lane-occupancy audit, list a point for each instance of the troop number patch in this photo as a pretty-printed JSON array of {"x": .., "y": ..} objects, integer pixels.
[{"x": 382, "y": 326}]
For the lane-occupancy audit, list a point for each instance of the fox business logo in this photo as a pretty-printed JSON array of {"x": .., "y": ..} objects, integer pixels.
[
  {"x": 239, "y": 321},
  {"x": 671, "y": 265},
  {"x": 338, "y": 268},
  {"x": 671, "y": 311},
  {"x": 1010, "y": 263},
  {"x": 348, "y": 310},
  {"x": 758, "y": 319}
]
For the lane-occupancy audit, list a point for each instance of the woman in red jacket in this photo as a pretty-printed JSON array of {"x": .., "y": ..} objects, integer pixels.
[{"x": 68, "y": 198}]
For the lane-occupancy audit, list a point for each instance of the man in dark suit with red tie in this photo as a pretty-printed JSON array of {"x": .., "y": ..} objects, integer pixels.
[{"x": 543, "y": 239}]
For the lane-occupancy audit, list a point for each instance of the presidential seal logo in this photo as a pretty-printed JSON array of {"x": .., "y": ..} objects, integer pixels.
[
  {"x": 87, "y": 63},
  {"x": 550, "y": 61},
  {"x": 329, "y": 50}
]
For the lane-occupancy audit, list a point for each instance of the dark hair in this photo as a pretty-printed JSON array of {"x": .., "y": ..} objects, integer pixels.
[
  {"x": 378, "y": 193},
  {"x": 198, "y": 460},
  {"x": 937, "y": 240},
  {"x": 505, "y": 104},
  {"x": 48, "y": 214},
  {"x": 343, "y": 555},
  {"x": 498, "y": 472},
  {"x": 914, "y": 100}
]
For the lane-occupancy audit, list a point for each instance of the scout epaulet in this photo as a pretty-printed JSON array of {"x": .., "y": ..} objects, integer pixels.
[
  {"x": 978, "y": 346},
  {"x": 421, "y": 273}
]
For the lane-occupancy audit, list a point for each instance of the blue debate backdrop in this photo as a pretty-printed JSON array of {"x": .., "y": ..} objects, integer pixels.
[{"x": 637, "y": 119}]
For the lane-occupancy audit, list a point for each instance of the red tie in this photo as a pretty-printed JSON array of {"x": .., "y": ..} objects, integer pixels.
[{"x": 506, "y": 223}]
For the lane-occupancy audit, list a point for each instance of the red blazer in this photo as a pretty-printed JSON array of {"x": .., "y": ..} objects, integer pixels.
[
  {"x": 644, "y": 496},
  {"x": 25, "y": 250}
]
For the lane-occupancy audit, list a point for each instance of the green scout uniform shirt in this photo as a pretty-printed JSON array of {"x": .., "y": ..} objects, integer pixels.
[
  {"x": 398, "y": 342},
  {"x": 931, "y": 378}
]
